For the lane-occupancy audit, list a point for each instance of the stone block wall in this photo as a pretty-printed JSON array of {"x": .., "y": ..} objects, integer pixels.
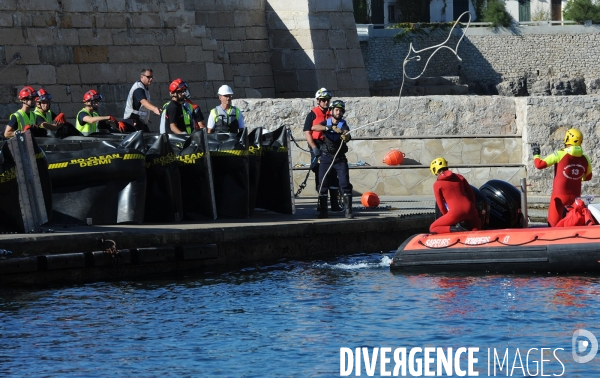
[
  {"x": 430, "y": 125},
  {"x": 70, "y": 46},
  {"x": 315, "y": 44},
  {"x": 491, "y": 56}
]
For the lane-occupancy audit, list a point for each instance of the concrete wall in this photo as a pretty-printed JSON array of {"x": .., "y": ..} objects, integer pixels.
[
  {"x": 71, "y": 46},
  {"x": 490, "y": 56},
  {"x": 531, "y": 119},
  {"x": 315, "y": 44}
]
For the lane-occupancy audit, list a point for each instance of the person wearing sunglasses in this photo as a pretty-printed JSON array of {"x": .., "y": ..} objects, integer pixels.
[
  {"x": 23, "y": 119},
  {"x": 88, "y": 118},
  {"x": 138, "y": 105},
  {"x": 316, "y": 116},
  {"x": 44, "y": 118}
]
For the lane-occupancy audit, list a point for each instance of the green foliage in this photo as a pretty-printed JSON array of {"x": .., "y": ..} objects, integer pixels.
[
  {"x": 409, "y": 29},
  {"x": 360, "y": 12},
  {"x": 479, "y": 6},
  {"x": 496, "y": 14},
  {"x": 581, "y": 11},
  {"x": 412, "y": 10}
]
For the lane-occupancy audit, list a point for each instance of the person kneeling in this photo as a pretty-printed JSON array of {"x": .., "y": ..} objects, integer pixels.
[
  {"x": 336, "y": 135},
  {"x": 456, "y": 201}
]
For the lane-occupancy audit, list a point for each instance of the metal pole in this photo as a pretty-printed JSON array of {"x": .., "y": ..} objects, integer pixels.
[{"x": 524, "y": 203}]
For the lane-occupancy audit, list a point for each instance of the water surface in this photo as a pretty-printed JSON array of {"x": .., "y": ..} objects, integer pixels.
[{"x": 289, "y": 319}]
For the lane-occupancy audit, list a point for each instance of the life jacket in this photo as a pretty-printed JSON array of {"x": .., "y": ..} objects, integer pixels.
[
  {"x": 577, "y": 215},
  {"x": 47, "y": 117},
  {"x": 142, "y": 112},
  {"x": 320, "y": 117},
  {"x": 225, "y": 121},
  {"x": 86, "y": 128},
  {"x": 24, "y": 118},
  {"x": 187, "y": 118},
  {"x": 332, "y": 140}
]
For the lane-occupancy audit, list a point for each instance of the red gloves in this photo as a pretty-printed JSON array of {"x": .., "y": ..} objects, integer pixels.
[
  {"x": 122, "y": 127},
  {"x": 27, "y": 127},
  {"x": 60, "y": 119},
  {"x": 112, "y": 119}
]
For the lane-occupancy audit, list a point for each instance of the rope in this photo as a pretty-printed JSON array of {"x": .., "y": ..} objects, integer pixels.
[
  {"x": 416, "y": 57},
  {"x": 15, "y": 58}
]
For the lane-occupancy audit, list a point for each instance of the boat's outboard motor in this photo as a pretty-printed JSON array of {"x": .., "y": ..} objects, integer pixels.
[
  {"x": 482, "y": 203},
  {"x": 505, "y": 204}
]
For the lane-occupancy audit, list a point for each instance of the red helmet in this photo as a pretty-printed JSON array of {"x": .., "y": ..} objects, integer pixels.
[
  {"x": 92, "y": 95},
  {"x": 42, "y": 95},
  {"x": 27, "y": 92},
  {"x": 177, "y": 84}
]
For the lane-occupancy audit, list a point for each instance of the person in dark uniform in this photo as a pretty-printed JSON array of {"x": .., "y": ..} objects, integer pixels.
[
  {"x": 138, "y": 105},
  {"x": 44, "y": 118},
  {"x": 24, "y": 118},
  {"x": 455, "y": 199},
  {"x": 571, "y": 167},
  {"x": 316, "y": 116},
  {"x": 333, "y": 157},
  {"x": 180, "y": 117}
]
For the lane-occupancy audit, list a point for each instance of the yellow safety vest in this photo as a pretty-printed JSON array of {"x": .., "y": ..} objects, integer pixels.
[
  {"x": 86, "y": 128},
  {"x": 24, "y": 118}
]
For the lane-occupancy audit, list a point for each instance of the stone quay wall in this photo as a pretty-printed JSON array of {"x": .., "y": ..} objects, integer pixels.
[
  {"x": 531, "y": 119},
  {"x": 261, "y": 48},
  {"x": 489, "y": 56}
]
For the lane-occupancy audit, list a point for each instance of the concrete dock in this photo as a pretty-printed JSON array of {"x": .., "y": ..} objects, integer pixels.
[{"x": 77, "y": 254}]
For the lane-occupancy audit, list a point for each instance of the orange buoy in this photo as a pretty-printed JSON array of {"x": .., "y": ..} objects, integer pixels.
[
  {"x": 369, "y": 199},
  {"x": 394, "y": 157}
]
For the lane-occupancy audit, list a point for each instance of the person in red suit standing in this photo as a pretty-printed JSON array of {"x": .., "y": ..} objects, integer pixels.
[
  {"x": 571, "y": 167},
  {"x": 455, "y": 199}
]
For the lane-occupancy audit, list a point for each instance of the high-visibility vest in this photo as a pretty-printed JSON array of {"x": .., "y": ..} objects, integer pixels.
[
  {"x": 24, "y": 118},
  {"x": 86, "y": 128}
]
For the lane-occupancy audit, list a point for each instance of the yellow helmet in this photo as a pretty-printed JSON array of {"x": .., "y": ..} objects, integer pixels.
[
  {"x": 438, "y": 164},
  {"x": 573, "y": 137}
]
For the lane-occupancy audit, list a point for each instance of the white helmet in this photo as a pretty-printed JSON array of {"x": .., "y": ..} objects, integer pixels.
[
  {"x": 225, "y": 90},
  {"x": 323, "y": 93}
]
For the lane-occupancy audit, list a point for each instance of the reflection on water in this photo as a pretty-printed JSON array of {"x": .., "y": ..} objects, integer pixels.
[{"x": 287, "y": 319}]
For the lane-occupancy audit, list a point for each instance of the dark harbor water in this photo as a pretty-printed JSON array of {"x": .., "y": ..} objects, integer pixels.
[{"x": 291, "y": 319}]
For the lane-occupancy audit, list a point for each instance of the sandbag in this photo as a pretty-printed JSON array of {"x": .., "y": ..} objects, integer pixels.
[
  {"x": 196, "y": 177},
  {"x": 229, "y": 160},
  {"x": 275, "y": 188}
]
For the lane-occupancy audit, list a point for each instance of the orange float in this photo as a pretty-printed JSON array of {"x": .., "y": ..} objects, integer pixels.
[
  {"x": 369, "y": 199},
  {"x": 394, "y": 157}
]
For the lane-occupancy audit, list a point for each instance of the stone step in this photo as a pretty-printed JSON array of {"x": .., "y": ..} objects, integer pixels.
[
  {"x": 412, "y": 179},
  {"x": 438, "y": 80},
  {"x": 483, "y": 149},
  {"x": 437, "y": 90}
]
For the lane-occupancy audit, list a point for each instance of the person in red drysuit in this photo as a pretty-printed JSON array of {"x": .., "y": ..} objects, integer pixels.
[
  {"x": 571, "y": 167},
  {"x": 455, "y": 199}
]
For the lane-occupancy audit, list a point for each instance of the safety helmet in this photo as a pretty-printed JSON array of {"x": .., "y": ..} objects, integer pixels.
[
  {"x": 323, "y": 93},
  {"x": 338, "y": 104},
  {"x": 573, "y": 137},
  {"x": 438, "y": 164},
  {"x": 176, "y": 85},
  {"x": 92, "y": 95},
  {"x": 27, "y": 92},
  {"x": 225, "y": 90},
  {"x": 42, "y": 95}
]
